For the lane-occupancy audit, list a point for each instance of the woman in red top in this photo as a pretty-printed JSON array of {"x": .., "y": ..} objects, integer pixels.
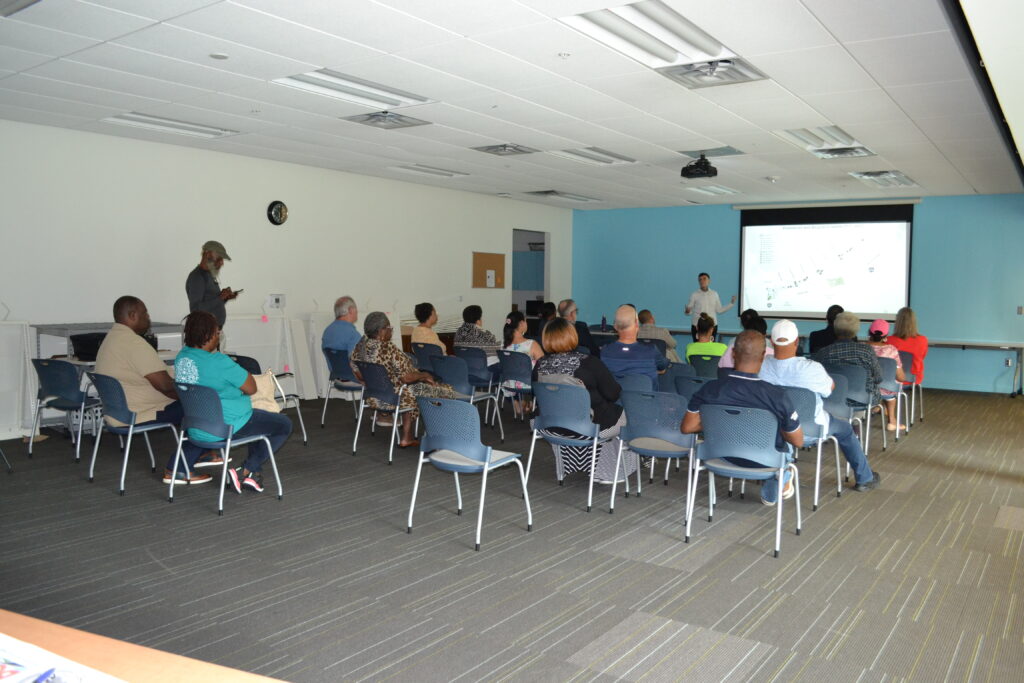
[{"x": 906, "y": 338}]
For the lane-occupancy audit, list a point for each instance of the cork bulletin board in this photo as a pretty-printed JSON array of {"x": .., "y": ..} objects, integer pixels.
[{"x": 488, "y": 270}]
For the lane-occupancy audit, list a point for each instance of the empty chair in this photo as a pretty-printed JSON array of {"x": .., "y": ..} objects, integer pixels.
[
  {"x": 59, "y": 388},
  {"x": 706, "y": 366},
  {"x": 688, "y": 386},
  {"x": 115, "y": 405},
  {"x": 454, "y": 371},
  {"x": 252, "y": 366},
  {"x": 815, "y": 435},
  {"x": 451, "y": 443},
  {"x": 516, "y": 371},
  {"x": 732, "y": 432},
  {"x": 652, "y": 430},
  {"x": 203, "y": 412},
  {"x": 341, "y": 378}
]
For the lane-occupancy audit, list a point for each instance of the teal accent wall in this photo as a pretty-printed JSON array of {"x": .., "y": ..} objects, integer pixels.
[
  {"x": 967, "y": 274},
  {"x": 528, "y": 270}
]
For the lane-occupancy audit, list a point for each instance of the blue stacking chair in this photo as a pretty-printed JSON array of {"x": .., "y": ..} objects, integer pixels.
[
  {"x": 424, "y": 353},
  {"x": 341, "y": 378},
  {"x": 377, "y": 385},
  {"x": 857, "y": 397},
  {"x": 203, "y": 411},
  {"x": 890, "y": 383},
  {"x": 515, "y": 367},
  {"x": 60, "y": 389},
  {"x": 667, "y": 379},
  {"x": 748, "y": 433},
  {"x": 252, "y": 366},
  {"x": 657, "y": 343},
  {"x": 454, "y": 371},
  {"x": 687, "y": 386},
  {"x": 706, "y": 366},
  {"x": 564, "y": 420},
  {"x": 451, "y": 443},
  {"x": 814, "y": 435},
  {"x": 634, "y": 382},
  {"x": 652, "y": 427},
  {"x": 481, "y": 375},
  {"x": 115, "y": 405}
]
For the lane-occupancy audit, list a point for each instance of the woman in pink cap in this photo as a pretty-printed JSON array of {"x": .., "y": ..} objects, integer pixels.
[{"x": 877, "y": 333}]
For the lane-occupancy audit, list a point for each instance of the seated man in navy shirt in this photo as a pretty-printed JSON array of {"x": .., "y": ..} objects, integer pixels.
[
  {"x": 742, "y": 388},
  {"x": 342, "y": 335},
  {"x": 627, "y": 356}
]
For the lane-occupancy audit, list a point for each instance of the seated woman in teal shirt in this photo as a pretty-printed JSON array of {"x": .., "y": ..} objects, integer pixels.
[
  {"x": 705, "y": 344},
  {"x": 199, "y": 362}
]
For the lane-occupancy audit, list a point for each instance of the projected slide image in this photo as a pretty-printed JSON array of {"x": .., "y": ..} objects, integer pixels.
[{"x": 806, "y": 268}]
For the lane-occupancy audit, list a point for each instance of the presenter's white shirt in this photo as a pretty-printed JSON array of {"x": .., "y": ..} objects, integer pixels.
[{"x": 705, "y": 302}]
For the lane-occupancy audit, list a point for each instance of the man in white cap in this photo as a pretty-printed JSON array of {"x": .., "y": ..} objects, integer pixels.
[
  {"x": 789, "y": 370},
  {"x": 202, "y": 285}
]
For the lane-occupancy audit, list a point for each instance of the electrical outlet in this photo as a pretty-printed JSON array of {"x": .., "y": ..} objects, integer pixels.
[
  {"x": 1008, "y": 362},
  {"x": 275, "y": 301}
]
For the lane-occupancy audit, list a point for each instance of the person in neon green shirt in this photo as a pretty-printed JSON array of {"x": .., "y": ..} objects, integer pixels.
[{"x": 704, "y": 346}]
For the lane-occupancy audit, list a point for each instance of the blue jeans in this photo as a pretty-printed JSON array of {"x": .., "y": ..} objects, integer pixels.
[
  {"x": 274, "y": 426},
  {"x": 769, "y": 487},
  {"x": 850, "y": 445},
  {"x": 172, "y": 412}
]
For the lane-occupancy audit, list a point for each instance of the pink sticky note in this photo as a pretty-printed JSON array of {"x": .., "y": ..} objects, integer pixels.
[
  {"x": 286, "y": 369},
  {"x": 264, "y": 318}
]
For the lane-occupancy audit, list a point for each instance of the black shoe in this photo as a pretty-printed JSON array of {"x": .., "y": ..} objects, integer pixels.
[
  {"x": 876, "y": 479},
  {"x": 254, "y": 482}
]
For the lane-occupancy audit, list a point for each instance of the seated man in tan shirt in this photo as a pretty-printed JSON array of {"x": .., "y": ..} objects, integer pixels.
[
  {"x": 648, "y": 330},
  {"x": 127, "y": 357}
]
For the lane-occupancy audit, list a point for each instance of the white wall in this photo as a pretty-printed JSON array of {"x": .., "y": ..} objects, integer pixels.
[{"x": 90, "y": 217}]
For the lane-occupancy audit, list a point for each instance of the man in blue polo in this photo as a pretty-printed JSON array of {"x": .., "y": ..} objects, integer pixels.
[
  {"x": 789, "y": 370},
  {"x": 627, "y": 356},
  {"x": 342, "y": 335},
  {"x": 742, "y": 388}
]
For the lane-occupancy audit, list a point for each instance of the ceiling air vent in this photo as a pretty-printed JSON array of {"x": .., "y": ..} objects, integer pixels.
[
  {"x": 883, "y": 178},
  {"x": 826, "y": 142},
  {"x": 388, "y": 120},
  {"x": 712, "y": 73},
  {"x": 506, "y": 150},
  {"x": 568, "y": 196},
  {"x": 841, "y": 152}
]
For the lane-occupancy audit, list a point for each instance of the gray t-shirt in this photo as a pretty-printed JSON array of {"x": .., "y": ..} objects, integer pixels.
[{"x": 204, "y": 294}]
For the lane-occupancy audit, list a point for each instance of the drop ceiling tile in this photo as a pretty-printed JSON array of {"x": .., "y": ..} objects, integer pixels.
[
  {"x": 361, "y": 21},
  {"x": 81, "y": 18},
  {"x": 878, "y": 135},
  {"x": 158, "y": 10},
  {"x": 452, "y": 136},
  {"x": 911, "y": 60},
  {"x": 143, "y": 63},
  {"x": 513, "y": 109},
  {"x": 959, "y": 127},
  {"x": 471, "y": 60},
  {"x": 206, "y": 117},
  {"x": 752, "y": 27},
  {"x": 284, "y": 96},
  {"x": 41, "y": 118},
  {"x": 860, "y": 106},
  {"x": 743, "y": 93},
  {"x": 20, "y": 60},
  {"x": 701, "y": 116},
  {"x": 991, "y": 175},
  {"x": 412, "y": 77},
  {"x": 647, "y": 127},
  {"x": 572, "y": 99},
  {"x": 958, "y": 98},
  {"x": 31, "y": 38},
  {"x": 54, "y": 105},
  {"x": 118, "y": 81},
  {"x": 867, "y": 19},
  {"x": 985, "y": 148},
  {"x": 261, "y": 31},
  {"x": 641, "y": 90},
  {"x": 469, "y": 17},
  {"x": 79, "y": 93},
  {"x": 815, "y": 70},
  {"x": 196, "y": 48},
  {"x": 775, "y": 114},
  {"x": 756, "y": 142}
]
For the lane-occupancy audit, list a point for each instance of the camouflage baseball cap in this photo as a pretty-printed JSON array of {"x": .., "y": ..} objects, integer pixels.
[{"x": 217, "y": 248}]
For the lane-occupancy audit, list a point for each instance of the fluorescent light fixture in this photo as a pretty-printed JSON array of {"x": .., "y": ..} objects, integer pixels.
[
  {"x": 158, "y": 123},
  {"x": 386, "y": 119},
  {"x": 423, "y": 169},
  {"x": 595, "y": 156},
  {"x": 716, "y": 190},
  {"x": 507, "y": 149},
  {"x": 650, "y": 32},
  {"x": 825, "y": 142},
  {"x": 9, "y": 7},
  {"x": 710, "y": 74},
  {"x": 725, "y": 151},
  {"x": 884, "y": 178},
  {"x": 555, "y": 194},
  {"x": 351, "y": 89}
]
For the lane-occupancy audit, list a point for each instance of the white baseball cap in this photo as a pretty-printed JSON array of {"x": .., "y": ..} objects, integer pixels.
[{"x": 784, "y": 333}]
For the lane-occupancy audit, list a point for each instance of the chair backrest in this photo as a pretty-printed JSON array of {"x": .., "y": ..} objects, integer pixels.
[
  {"x": 667, "y": 379},
  {"x": 565, "y": 406},
  {"x": 634, "y": 382},
  {"x": 112, "y": 396},
  {"x": 724, "y": 372},
  {"x": 202, "y": 409},
  {"x": 656, "y": 415},
  {"x": 907, "y": 360},
  {"x": 659, "y": 343},
  {"x": 734, "y": 432},
  {"x": 454, "y": 371},
  {"x": 377, "y": 383},
  {"x": 803, "y": 401},
  {"x": 248, "y": 363},
  {"x": 424, "y": 352},
  {"x": 585, "y": 350},
  {"x": 476, "y": 361},
  {"x": 706, "y": 366},
  {"x": 688, "y": 386},
  {"x": 835, "y": 403},
  {"x": 515, "y": 366},
  {"x": 451, "y": 425},
  {"x": 58, "y": 378},
  {"x": 339, "y": 366},
  {"x": 888, "y": 367},
  {"x": 856, "y": 383}
]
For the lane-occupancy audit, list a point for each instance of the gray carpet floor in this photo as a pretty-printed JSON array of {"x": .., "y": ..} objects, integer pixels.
[{"x": 918, "y": 580}]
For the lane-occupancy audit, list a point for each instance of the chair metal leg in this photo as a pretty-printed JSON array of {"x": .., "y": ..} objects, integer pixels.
[
  {"x": 394, "y": 434},
  {"x": 415, "y": 489},
  {"x": 529, "y": 459},
  {"x": 95, "y": 447},
  {"x": 593, "y": 466},
  {"x": 920, "y": 392},
  {"x": 225, "y": 452},
  {"x": 323, "y": 415},
  {"x": 81, "y": 423},
  {"x": 799, "y": 512},
  {"x": 480, "y": 512},
  {"x": 778, "y": 509},
  {"x": 10, "y": 470},
  {"x": 526, "y": 496},
  {"x": 124, "y": 461},
  {"x": 817, "y": 478},
  {"x": 615, "y": 482},
  {"x": 178, "y": 456},
  {"x": 458, "y": 494},
  {"x": 152, "y": 460},
  {"x": 302, "y": 424},
  {"x": 692, "y": 480},
  {"x": 359, "y": 422},
  {"x": 273, "y": 466},
  {"x": 35, "y": 427}
]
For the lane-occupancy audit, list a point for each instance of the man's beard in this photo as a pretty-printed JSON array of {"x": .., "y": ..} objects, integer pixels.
[{"x": 211, "y": 267}]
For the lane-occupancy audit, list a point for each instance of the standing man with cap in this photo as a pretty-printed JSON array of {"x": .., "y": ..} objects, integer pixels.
[
  {"x": 705, "y": 300},
  {"x": 202, "y": 286}
]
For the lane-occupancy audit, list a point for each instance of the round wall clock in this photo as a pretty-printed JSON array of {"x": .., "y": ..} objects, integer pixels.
[{"x": 277, "y": 212}]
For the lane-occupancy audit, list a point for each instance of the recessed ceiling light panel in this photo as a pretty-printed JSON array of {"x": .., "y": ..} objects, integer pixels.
[
  {"x": 351, "y": 89},
  {"x": 714, "y": 152},
  {"x": 826, "y": 142},
  {"x": 388, "y": 120},
  {"x": 884, "y": 179},
  {"x": 568, "y": 196},
  {"x": 716, "y": 190},
  {"x": 164, "y": 125},
  {"x": 423, "y": 169},
  {"x": 712, "y": 73},
  {"x": 507, "y": 149},
  {"x": 595, "y": 156}
]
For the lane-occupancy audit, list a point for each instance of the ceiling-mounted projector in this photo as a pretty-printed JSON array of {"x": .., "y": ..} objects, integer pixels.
[{"x": 699, "y": 168}]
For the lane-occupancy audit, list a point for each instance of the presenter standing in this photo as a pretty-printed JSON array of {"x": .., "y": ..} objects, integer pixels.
[
  {"x": 202, "y": 285},
  {"x": 705, "y": 300}
]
